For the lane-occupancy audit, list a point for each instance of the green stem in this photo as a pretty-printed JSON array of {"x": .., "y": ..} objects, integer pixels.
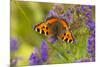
[{"x": 22, "y": 11}]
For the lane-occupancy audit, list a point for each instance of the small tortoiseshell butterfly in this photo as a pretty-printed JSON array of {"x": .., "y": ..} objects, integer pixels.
[{"x": 57, "y": 27}]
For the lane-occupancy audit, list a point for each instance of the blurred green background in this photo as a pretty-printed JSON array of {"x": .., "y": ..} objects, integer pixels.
[{"x": 26, "y": 14}]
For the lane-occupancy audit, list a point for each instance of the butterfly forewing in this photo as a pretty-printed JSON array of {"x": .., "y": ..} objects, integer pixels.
[{"x": 42, "y": 29}]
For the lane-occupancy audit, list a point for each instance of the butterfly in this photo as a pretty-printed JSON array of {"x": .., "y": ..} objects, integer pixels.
[{"x": 57, "y": 27}]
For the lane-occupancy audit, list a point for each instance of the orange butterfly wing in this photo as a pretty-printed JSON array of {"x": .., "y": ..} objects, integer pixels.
[
  {"x": 66, "y": 36},
  {"x": 53, "y": 20},
  {"x": 44, "y": 27}
]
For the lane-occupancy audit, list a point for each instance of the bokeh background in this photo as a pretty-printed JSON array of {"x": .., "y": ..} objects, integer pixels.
[{"x": 28, "y": 47}]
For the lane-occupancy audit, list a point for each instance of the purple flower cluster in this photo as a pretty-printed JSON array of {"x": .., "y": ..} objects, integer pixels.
[
  {"x": 88, "y": 18},
  {"x": 13, "y": 44},
  {"x": 43, "y": 50},
  {"x": 91, "y": 26},
  {"x": 52, "y": 13},
  {"x": 68, "y": 15},
  {"x": 78, "y": 10},
  {"x": 36, "y": 58},
  {"x": 86, "y": 12},
  {"x": 57, "y": 11},
  {"x": 91, "y": 45},
  {"x": 52, "y": 39}
]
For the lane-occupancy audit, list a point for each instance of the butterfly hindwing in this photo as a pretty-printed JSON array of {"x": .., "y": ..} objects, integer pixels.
[{"x": 66, "y": 36}]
